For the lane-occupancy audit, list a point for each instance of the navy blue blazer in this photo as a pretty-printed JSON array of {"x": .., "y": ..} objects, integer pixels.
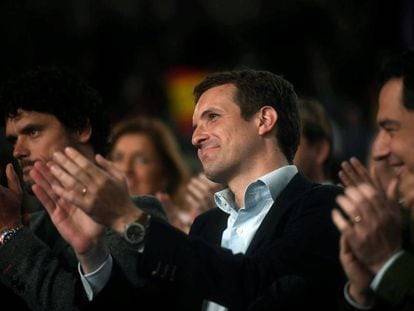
[{"x": 292, "y": 261}]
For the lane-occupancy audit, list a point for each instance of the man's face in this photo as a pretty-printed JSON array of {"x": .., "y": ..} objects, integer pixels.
[
  {"x": 396, "y": 127},
  {"x": 227, "y": 144},
  {"x": 380, "y": 159},
  {"x": 34, "y": 137}
]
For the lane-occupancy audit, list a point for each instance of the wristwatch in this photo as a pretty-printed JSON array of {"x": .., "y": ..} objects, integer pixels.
[
  {"x": 135, "y": 231},
  {"x": 7, "y": 235}
]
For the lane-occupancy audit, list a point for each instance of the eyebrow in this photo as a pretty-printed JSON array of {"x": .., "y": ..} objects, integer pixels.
[
  {"x": 388, "y": 122},
  {"x": 27, "y": 128}
]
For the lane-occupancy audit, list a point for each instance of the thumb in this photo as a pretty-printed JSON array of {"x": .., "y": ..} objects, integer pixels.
[{"x": 13, "y": 180}]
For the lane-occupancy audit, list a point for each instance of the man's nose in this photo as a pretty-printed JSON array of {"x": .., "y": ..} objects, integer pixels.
[
  {"x": 20, "y": 148},
  {"x": 381, "y": 146},
  {"x": 199, "y": 135}
]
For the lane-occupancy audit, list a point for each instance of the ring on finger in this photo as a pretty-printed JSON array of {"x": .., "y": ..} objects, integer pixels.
[{"x": 357, "y": 219}]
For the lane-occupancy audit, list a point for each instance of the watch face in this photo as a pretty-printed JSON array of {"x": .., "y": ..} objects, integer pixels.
[{"x": 135, "y": 233}]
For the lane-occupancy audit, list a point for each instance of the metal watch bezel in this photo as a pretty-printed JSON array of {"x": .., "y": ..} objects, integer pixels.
[{"x": 134, "y": 233}]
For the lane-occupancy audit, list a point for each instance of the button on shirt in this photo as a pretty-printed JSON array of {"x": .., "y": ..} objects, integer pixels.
[{"x": 243, "y": 223}]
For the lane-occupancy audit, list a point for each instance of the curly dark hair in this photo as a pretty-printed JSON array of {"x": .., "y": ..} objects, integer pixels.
[
  {"x": 255, "y": 89},
  {"x": 61, "y": 93}
]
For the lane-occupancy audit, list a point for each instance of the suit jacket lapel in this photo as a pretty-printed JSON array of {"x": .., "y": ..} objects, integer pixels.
[
  {"x": 210, "y": 226},
  {"x": 293, "y": 190},
  {"x": 220, "y": 226}
]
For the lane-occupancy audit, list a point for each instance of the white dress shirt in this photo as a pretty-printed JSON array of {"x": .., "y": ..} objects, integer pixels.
[{"x": 243, "y": 223}]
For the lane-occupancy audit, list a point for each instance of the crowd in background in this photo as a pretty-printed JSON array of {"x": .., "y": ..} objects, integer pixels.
[
  {"x": 140, "y": 123},
  {"x": 133, "y": 52}
]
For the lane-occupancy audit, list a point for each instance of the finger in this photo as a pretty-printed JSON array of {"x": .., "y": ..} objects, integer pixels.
[
  {"x": 13, "y": 180},
  {"x": 339, "y": 220},
  {"x": 109, "y": 167},
  {"x": 194, "y": 191},
  {"x": 346, "y": 181},
  {"x": 200, "y": 184},
  {"x": 193, "y": 203},
  {"x": 79, "y": 175},
  {"x": 376, "y": 179},
  {"x": 44, "y": 198},
  {"x": 360, "y": 170},
  {"x": 68, "y": 196},
  {"x": 349, "y": 172},
  {"x": 372, "y": 199},
  {"x": 347, "y": 206},
  {"x": 95, "y": 175},
  {"x": 67, "y": 180},
  {"x": 44, "y": 179},
  {"x": 354, "y": 194},
  {"x": 365, "y": 203},
  {"x": 86, "y": 165},
  {"x": 354, "y": 171}
]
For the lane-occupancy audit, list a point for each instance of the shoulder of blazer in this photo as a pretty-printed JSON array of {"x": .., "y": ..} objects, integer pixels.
[
  {"x": 299, "y": 194},
  {"x": 301, "y": 187}
]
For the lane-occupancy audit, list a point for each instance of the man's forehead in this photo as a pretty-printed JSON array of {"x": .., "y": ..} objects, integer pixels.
[{"x": 24, "y": 117}]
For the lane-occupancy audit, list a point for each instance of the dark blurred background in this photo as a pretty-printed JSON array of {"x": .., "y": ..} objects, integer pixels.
[{"x": 144, "y": 56}]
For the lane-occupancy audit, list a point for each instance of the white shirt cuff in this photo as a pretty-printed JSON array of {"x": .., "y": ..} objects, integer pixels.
[
  {"x": 352, "y": 302},
  {"x": 95, "y": 281}
]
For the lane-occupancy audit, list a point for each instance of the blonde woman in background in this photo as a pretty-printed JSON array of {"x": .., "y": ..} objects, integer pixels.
[{"x": 147, "y": 151}]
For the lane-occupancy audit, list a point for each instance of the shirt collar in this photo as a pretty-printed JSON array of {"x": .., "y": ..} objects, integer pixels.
[{"x": 275, "y": 181}]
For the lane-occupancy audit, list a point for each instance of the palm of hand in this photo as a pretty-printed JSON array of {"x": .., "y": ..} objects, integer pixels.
[{"x": 77, "y": 228}]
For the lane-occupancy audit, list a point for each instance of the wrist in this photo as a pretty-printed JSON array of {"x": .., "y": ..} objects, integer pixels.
[
  {"x": 94, "y": 258},
  {"x": 11, "y": 225},
  {"x": 134, "y": 215},
  {"x": 7, "y": 234},
  {"x": 363, "y": 297}
]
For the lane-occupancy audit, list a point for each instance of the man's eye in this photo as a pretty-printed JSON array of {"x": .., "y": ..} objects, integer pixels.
[
  {"x": 212, "y": 116},
  {"x": 34, "y": 133},
  {"x": 390, "y": 130}
]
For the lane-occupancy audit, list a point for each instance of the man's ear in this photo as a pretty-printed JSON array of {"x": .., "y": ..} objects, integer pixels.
[
  {"x": 267, "y": 117},
  {"x": 85, "y": 134}
]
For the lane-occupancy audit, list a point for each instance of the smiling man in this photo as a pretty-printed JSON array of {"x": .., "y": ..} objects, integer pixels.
[
  {"x": 264, "y": 245},
  {"x": 376, "y": 245}
]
